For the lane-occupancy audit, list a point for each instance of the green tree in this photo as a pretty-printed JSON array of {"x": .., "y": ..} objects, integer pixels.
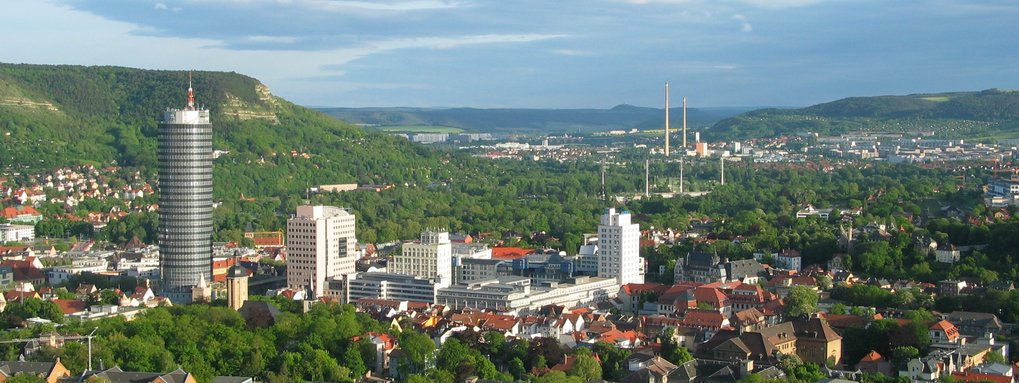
[
  {"x": 25, "y": 377},
  {"x": 418, "y": 349},
  {"x": 801, "y": 301},
  {"x": 585, "y": 366},
  {"x": 671, "y": 350}
]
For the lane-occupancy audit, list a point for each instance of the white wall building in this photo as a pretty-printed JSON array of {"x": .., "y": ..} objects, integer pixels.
[
  {"x": 321, "y": 245},
  {"x": 947, "y": 256},
  {"x": 16, "y": 233},
  {"x": 431, "y": 257},
  {"x": 619, "y": 248},
  {"x": 516, "y": 295},
  {"x": 374, "y": 285}
]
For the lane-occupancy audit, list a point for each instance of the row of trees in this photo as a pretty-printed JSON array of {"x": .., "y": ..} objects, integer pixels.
[{"x": 325, "y": 344}]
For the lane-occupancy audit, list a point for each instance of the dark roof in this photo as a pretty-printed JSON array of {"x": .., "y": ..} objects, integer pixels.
[
  {"x": 116, "y": 375},
  {"x": 259, "y": 313},
  {"x": 743, "y": 267},
  {"x": 967, "y": 319},
  {"x": 236, "y": 271},
  {"x": 17, "y": 367},
  {"x": 701, "y": 260}
]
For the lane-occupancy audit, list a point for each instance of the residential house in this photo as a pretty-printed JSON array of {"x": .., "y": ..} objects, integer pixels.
[
  {"x": 51, "y": 372},
  {"x": 700, "y": 267},
  {"x": 944, "y": 332},
  {"x": 974, "y": 324},
  {"x": 874, "y": 363},
  {"x": 950, "y": 255},
  {"x": 813, "y": 340},
  {"x": 749, "y": 319},
  {"x": 789, "y": 259}
]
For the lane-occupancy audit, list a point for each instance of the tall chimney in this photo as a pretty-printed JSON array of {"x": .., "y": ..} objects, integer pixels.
[
  {"x": 681, "y": 165},
  {"x": 667, "y": 119},
  {"x": 722, "y": 166},
  {"x": 684, "y": 123},
  {"x": 647, "y": 178}
]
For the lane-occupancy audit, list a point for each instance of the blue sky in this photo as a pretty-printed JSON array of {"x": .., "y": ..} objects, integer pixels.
[{"x": 545, "y": 53}]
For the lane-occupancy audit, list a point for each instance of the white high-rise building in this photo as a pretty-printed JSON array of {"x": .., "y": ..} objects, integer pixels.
[
  {"x": 619, "y": 248},
  {"x": 431, "y": 257},
  {"x": 320, "y": 245}
]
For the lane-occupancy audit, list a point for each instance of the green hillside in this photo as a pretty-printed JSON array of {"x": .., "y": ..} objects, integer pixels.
[
  {"x": 54, "y": 116},
  {"x": 528, "y": 121},
  {"x": 986, "y": 114}
]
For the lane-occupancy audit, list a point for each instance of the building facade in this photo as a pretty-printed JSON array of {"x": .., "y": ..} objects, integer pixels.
[
  {"x": 184, "y": 159},
  {"x": 321, "y": 245},
  {"x": 619, "y": 248},
  {"x": 515, "y": 294},
  {"x": 430, "y": 257},
  {"x": 373, "y": 285}
]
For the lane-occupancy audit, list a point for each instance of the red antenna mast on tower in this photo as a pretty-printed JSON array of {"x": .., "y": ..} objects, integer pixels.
[{"x": 191, "y": 94}]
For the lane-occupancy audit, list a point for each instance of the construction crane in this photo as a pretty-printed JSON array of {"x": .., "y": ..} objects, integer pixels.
[{"x": 69, "y": 337}]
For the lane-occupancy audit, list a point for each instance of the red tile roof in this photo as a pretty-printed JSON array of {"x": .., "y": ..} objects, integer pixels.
[
  {"x": 967, "y": 376},
  {"x": 873, "y": 356},
  {"x": 509, "y": 252},
  {"x": 70, "y": 306}
]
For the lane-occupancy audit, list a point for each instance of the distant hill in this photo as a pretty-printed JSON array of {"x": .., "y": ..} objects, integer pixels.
[
  {"x": 986, "y": 114},
  {"x": 530, "y": 121},
  {"x": 53, "y": 116}
]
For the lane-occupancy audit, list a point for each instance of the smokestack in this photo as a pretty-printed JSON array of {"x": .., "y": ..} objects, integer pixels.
[
  {"x": 722, "y": 162},
  {"x": 684, "y": 123},
  {"x": 647, "y": 178},
  {"x": 681, "y": 164},
  {"x": 603, "y": 195},
  {"x": 667, "y": 119}
]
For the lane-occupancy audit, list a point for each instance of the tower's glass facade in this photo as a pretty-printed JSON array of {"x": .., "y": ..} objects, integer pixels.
[{"x": 185, "y": 201}]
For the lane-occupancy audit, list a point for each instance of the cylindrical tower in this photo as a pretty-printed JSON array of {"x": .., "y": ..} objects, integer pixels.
[{"x": 185, "y": 199}]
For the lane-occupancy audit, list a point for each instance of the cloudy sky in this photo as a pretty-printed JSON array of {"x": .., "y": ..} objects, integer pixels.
[{"x": 539, "y": 53}]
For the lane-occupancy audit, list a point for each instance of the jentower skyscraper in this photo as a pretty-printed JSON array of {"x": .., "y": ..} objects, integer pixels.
[{"x": 185, "y": 199}]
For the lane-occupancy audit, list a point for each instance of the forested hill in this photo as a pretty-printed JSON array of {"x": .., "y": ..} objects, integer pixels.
[
  {"x": 990, "y": 113},
  {"x": 538, "y": 121},
  {"x": 53, "y": 116}
]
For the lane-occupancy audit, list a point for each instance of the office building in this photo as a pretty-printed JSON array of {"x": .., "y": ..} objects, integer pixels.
[
  {"x": 184, "y": 159},
  {"x": 619, "y": 248},
  {"x": 430, "y": 257},
  {"x": 373, "y": 285},
  {"x": 517, "y": 295},
  {"x": 321, "y": 245}
]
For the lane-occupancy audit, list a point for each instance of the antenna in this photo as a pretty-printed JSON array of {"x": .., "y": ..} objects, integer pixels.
[
  {"x": 667, "y": 119},
  {"x": 191, "y": 94}
]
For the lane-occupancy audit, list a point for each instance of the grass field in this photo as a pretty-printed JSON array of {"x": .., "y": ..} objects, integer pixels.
[
  {"x": 420, "y": 129},
  {"x": 936, "y": 98}
]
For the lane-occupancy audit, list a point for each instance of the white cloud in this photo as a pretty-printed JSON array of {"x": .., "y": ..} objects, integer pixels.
[
  {"x": 747, "y": 27},
  {"x": 780, "y": 3},
  {"x": 160, "y": 7},
  {"x": 570, "y": 52},
  {"x": 413, "y": 5},
  {"x": 272, "y": 39}
]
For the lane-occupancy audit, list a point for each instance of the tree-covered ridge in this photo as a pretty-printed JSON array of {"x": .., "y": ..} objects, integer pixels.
[
  {"x": 536, "y": 121},
  {"x": 105, "y": 114},
  {"x": 950, "y": 114}
]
